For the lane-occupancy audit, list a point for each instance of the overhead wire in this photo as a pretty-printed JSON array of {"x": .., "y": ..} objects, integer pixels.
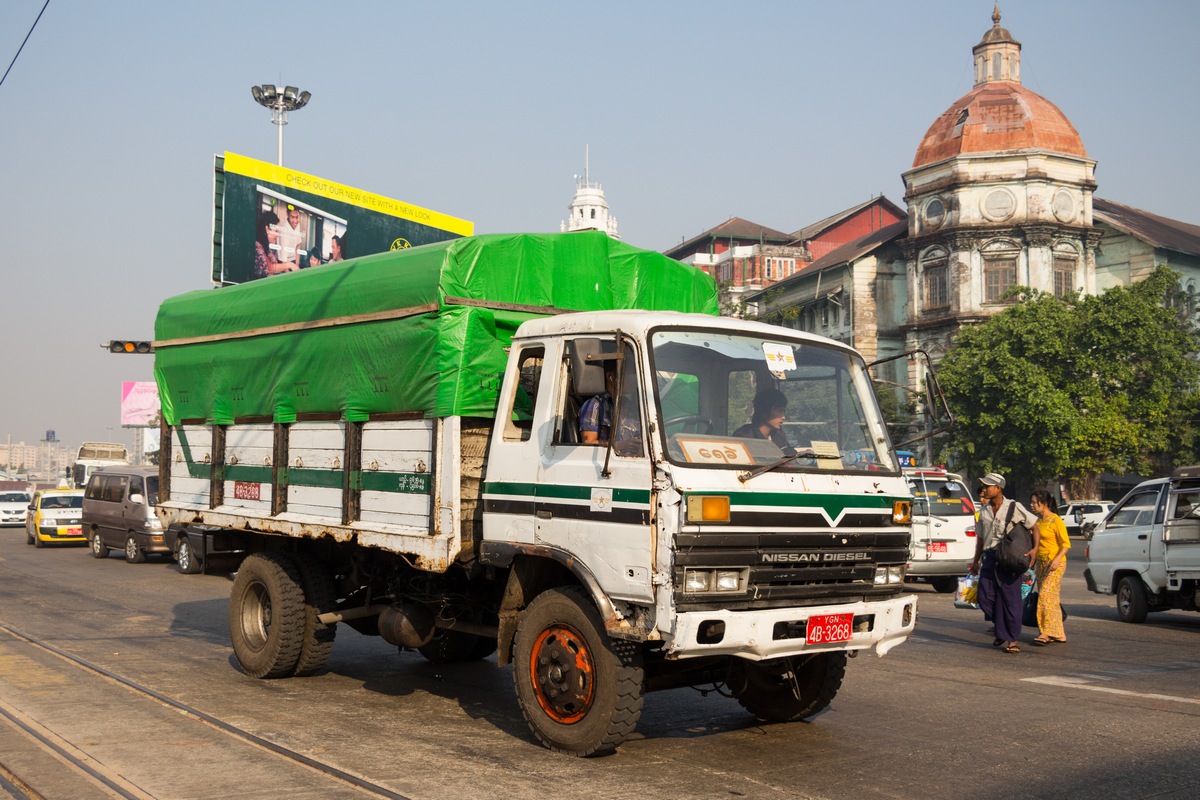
[{"x": 23, "y": 41}]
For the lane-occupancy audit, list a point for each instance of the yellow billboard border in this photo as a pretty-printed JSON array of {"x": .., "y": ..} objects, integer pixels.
[{"x": 300, "y": 181}]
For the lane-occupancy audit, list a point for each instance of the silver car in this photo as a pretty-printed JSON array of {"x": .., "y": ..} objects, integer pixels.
[{"x": 943, "y": 540}]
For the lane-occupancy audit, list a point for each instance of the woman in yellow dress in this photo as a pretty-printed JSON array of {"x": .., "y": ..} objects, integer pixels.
[{"x": 1049, "y": 567}]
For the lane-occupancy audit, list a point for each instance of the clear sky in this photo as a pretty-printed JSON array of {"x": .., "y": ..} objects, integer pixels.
[{"x": 694, "y": 111}]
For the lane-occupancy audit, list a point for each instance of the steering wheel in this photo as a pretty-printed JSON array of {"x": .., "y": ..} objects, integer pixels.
[{"x": 689, "y": 423}]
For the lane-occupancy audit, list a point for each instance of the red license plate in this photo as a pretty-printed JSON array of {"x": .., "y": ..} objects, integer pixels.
[
  {"x": 827, "y": 628},
  {"x": 937, "y": 547}
]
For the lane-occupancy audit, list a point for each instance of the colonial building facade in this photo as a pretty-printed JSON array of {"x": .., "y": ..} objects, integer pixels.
[{"x": 1000, "y": 194}]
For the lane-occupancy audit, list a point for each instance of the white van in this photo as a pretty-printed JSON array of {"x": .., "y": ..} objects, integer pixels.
[
  {"x": 1146, "y": 552},
  {"x": 943, "y": 527}
]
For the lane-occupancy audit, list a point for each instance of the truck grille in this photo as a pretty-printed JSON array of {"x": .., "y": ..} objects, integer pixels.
[{"x": 797, "y": 566}]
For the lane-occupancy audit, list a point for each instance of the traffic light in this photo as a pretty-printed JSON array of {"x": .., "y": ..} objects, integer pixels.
[{"x": 122, "y": 346}]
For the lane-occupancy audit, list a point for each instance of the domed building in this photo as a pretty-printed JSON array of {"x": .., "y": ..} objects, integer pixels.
[{"x": 999, "y": 195}]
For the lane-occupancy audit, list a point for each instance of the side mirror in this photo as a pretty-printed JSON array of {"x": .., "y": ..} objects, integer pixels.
[
  {"x": 137, "y": 499},
  {"x": 1088, "y": 529},
  {"x": 587, "y": 370},
  {"x": 29, "y": 507},
  {"x": 1078, "y": 516}
]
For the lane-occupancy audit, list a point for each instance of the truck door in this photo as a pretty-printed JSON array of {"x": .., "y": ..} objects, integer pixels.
[
  {"x": 593, "y": 497},
  {"x": 521, "y": 434}
]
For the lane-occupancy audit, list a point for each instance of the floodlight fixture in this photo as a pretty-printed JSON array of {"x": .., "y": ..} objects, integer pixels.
[{"x": 280, "y": 100}]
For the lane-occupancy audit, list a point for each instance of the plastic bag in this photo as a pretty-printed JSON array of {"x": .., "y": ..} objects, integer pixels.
[{"x": 965, "y": 597}]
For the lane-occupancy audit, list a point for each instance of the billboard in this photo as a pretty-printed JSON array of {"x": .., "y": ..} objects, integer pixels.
[
  {"x": 270, "y": 219},
  {"x": 139, "y": 404}
]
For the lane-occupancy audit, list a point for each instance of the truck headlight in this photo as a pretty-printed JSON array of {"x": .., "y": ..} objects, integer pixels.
[
  {"x": 889, "y": 575},
  {"x": 729, "y": 580},
  {"x": 154, "y": 524},
  {"x": 901, "y": 512},
  {"x": 697, "y": 580}
]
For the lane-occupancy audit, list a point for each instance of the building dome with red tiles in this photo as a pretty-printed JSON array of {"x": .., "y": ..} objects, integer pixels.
[
  {"x": 999, "y": 117},
  {"x": 999, "y": 114}
]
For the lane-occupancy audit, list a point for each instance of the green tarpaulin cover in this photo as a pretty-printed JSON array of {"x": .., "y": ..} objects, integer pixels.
[{"x": 414, "y": 330}]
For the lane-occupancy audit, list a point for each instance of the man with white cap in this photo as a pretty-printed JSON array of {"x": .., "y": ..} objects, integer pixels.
[{"x": 1000, "y": 590}]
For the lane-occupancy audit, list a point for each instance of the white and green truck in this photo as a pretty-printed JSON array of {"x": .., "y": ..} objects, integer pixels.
[{"x": 394, "y": 443}]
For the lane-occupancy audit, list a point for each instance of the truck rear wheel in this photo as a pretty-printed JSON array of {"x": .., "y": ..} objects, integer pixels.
[
  {"x": 1132, "y": 605},
  {"x": 787, "y": 689},
  {"x": 579, "y": 690},
  {"x": 266, "y": 615},
  {"x": 320, "y": 597}
]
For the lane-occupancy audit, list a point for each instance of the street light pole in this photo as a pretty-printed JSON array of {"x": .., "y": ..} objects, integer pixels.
[{"x": 280, "y": 100}]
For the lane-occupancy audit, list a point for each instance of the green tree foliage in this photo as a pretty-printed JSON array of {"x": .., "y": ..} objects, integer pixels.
[{"x": 1072, "y": 388}]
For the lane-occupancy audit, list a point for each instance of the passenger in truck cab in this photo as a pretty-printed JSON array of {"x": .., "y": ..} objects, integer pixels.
[
  {"x": 595, "y": 417},
  {"x": 766, "y": 421}
]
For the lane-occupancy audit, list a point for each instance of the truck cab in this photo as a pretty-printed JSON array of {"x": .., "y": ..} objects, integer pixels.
[
  {"x": 1147, "y": 550},
  {"x": 701, "y": 534}
]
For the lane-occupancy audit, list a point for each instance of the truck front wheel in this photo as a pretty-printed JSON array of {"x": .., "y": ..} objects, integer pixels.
[
  {"x": 266, "y": 615},
  {"x": 579, "y": 690},
  {"x": 1131, "y": 600},
  {"x": 787, "y": 689}
]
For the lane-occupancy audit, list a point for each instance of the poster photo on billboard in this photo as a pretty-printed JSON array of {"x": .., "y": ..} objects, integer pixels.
[{"x": 270, "y": 220}]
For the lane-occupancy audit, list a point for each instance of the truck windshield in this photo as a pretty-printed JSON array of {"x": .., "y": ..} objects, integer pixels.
[{"x": 744, "y": 400}]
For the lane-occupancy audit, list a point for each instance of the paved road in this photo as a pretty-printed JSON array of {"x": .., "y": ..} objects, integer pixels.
[{"x": 1113, "y": 713}]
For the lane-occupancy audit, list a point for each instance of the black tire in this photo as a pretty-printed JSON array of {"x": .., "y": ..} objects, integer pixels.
[
  {"x": 580, "y": 691},
  {"x": 185, "y": 556},
  {"x": 133, "y": 553},
  {"x": 787, "y": 689},
  {"x": 28, "y": 536},
  {"x": 1132, "y": 604},
  {"x": 320, "y": 597},
  {"x": 944, "y": 585},
  {"x": 453, "y": 647},
  {"x": 266, "y": 615},
  {"x": 37, "y": 541},
  {"x": 97, "y": 545}
]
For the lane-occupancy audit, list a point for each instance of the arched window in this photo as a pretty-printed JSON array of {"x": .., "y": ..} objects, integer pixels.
[{"x": 935, "y": 282}]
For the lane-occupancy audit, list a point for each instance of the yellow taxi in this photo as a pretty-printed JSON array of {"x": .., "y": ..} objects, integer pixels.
[{"x": 55, "y": 515}]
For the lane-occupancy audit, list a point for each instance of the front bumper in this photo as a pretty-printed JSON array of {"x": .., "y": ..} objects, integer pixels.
[
  {"x": 63, "y": 533},
  {"x": 154, "y": 542},
  {"x": 938, "y": 569},
  {"x": 770, "y": 633}
]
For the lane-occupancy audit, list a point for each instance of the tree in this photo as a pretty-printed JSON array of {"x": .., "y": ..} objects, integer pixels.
[{"x": 1074, "y": 387}]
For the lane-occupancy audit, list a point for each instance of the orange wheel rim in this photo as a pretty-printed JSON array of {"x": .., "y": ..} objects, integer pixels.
[{"x": 563, "y": 674}]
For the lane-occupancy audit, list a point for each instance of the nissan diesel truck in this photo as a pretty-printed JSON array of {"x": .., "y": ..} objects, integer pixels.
[{"x": 394, "y": 443}]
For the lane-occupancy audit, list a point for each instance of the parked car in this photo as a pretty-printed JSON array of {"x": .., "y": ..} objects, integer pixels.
[
  {"x": 14, "y": 506},
  {"x": 55, "y": 516},
  {"x": 1081, "y": 512},
  {"x": 118, "y": 513},
  {"x": 1146, "y": 552},
  {"x": 943, "y": 525}
]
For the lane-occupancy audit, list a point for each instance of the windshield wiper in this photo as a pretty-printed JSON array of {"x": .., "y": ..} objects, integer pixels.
[{"x": 745, "y": 476}]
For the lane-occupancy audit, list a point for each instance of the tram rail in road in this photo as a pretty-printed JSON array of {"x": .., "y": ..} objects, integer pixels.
[{"x": 76, "y": 755}]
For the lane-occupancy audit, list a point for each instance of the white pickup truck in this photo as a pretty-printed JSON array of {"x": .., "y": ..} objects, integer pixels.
[{"x": 1147, "y": 550}]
